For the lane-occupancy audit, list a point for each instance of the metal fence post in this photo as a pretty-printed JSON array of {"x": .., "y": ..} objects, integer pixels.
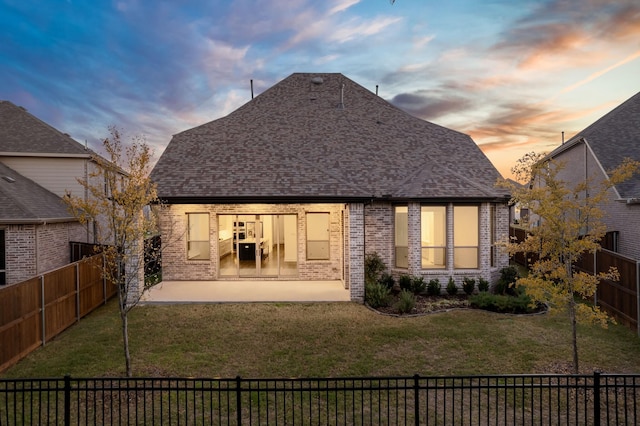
[
  {"x": 238, "y": 400},
  {"x": 67, "y": 400},
  {"x": 416, "y": 398},
  {"x": 596, "y": 398}
]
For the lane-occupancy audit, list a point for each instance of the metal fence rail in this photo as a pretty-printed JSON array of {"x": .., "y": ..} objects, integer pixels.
[{"x": 466, "y": 400}]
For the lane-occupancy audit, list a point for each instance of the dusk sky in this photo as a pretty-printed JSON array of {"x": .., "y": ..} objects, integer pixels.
[{"x": 511, "y": 74}]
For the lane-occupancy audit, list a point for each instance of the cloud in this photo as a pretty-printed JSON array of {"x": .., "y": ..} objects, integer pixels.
[{"x": 430, "y": 105}]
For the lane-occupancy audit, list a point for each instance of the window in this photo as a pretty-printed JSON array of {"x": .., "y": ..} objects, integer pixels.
[
  {"x": 465, "y": 237},
  {"x": 433, "y": 236},
  {"x": 198, "y": 236},
  {"x": 3, "y": 259},
  {"x": 317, "y": 236},
  {"x": 401, "y": 225}
]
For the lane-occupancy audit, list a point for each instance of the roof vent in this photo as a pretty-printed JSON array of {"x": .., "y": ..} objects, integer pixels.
[
  {"x": 317, "y": 80},
  {"x": 8, "y": 179}
]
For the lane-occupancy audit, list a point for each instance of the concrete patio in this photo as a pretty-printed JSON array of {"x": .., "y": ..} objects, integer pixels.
[{"x": 245, "y": 291}]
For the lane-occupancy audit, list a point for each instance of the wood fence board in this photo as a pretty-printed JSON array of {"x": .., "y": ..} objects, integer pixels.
[{"x": 21, "y": 307}]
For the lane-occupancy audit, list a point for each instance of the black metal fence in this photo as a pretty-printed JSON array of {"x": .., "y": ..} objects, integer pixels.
[{"x": 471, "y": 400}]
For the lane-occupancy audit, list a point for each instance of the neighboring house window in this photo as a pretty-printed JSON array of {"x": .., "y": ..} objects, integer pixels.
[
  {"x": 198, "y": 236},
  {"x": 433, "y": 236},
  {"x": 3, "y": 259},
  {"x": 465, "y": 237},
  {"x": 401, "y": 240},
  {"x": 317, "y": 236}
]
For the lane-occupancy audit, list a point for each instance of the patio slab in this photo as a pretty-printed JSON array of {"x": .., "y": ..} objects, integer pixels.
[{"x": 245, "y": 291}]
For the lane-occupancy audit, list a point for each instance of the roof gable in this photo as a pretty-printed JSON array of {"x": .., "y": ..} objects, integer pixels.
[
  {"x": 614, "y": 137},
  {"x": 322, "y": 136},
  {"x": 21, "y": 132},
  {"x": 24, "y": 201}
]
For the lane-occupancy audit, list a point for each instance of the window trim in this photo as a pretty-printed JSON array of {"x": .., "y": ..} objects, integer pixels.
[{"x": 3, "y": 258}]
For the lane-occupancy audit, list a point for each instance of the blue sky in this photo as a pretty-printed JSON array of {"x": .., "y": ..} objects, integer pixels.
[{"x": 512, "y": 74}]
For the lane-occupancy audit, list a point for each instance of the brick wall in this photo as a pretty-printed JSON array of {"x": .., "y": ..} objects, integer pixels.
[
  {"x": 35, "y": 249},
  {"x": 356, "y": 251}
]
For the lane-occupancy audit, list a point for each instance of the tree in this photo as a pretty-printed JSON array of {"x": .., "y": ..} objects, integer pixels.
[
  {"x": 565, "y": 223},
  {"x": 119, "y": 193}
]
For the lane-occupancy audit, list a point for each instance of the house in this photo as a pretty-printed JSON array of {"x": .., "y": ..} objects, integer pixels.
[
  {"x": 303, "y": 181},
  {"x": 600, "y": 148},
  {"x": 37, "y": 165}
]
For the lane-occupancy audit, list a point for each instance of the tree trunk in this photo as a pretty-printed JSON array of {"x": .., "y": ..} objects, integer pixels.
[
  {"x": 125, "y": 339},
  {"x": 574, "y": 333}
]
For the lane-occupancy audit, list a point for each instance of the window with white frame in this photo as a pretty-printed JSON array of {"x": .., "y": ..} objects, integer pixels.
[
  {"x": 466, "y": 237},
  {"x": 433, "y": 236},
  {"x": 401, "y": 236},
  {"x": 493, "y": 217},
  {"x": 318, "y": 236},
  {"x": 198, "y": 236}
]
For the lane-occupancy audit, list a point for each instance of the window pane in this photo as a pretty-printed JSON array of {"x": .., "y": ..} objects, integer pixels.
[
  {"x": 433, "y": 257},
  {"x": 198, "y": 236},
  {"x": 433, "y": 236},
  {"x": 318, "y": 236},
  {"x": 401, "y": 224},
  {"x": 465, "y": 226},
  {"x": 465, "y": 257}
]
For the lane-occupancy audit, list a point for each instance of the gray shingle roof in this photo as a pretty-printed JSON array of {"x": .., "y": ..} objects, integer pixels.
[
  {"x": 23, "y": 201},
  {"x": 615, "y": 136},
  {"x": 21, "y": 132},
  {"x": 333, "y": 139}
]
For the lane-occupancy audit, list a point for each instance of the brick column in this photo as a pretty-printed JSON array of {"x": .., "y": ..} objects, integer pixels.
[{"x": 356, "y": 252}]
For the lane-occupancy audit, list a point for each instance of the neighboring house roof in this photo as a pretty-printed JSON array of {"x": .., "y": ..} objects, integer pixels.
[
  {"x": 322, "y": 137},
  {"x": 23, "y": 201},
  {"x": 612, "y": 138},
  {"x": 22, "y": 133}
]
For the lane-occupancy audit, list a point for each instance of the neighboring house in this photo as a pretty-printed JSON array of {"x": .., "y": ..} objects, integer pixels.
[
  {"x": 600, "y": 148},
  {"x": 304, "y": 180},
  {"x": 37, "y": 165}
]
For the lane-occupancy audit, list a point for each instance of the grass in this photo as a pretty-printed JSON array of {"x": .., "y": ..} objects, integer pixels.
[{"x": 323, "y": 339}]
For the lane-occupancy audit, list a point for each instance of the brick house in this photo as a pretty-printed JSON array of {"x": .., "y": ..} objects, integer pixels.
[
  {"x": 599, "y": 148},
  {"x": 304, "y": 180},
  {"x": 37, "y": 165}
]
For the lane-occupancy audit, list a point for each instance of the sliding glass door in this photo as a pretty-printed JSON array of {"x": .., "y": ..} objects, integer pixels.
[{"x": 257, "y": 245}]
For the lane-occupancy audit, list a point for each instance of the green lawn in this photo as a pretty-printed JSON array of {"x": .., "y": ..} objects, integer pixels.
[{"x": 324, "y": 339}]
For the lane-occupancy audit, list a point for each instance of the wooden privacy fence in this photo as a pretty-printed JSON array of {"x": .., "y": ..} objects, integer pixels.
[
  {"x": 621, "y": 299},
  {"x": 34, "y": 311}
]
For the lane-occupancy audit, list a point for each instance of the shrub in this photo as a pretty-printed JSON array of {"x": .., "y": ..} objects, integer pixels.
[
  {"x": 405, "y": 282},
  {"x": 387, "y": 280},
  {"x": 434, "y": 287},
  {"x": 376, "y": 295},
  {"x": 452, "y": 288},
  {"x": 406, "y": 302},
  {"x": 520, "y": 304},
  {"x": 468, "y": 285},
  {"x": 506, "y": 283},
  {"x": 483, "y": 285},
  {"x": 373, "y": 267},
  {"x": 418, "y": 285}
]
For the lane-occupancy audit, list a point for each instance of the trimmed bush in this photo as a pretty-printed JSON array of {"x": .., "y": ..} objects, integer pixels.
[
  {"x": 520, "y": 304},
  {"x": 373, "y": 267},
  {"x": 452, "y": 288},
  {"x": 506, "y": 283},
  {"x": 483, "y": 285},
  {"x": 405, "y": 282},
  {"x": 434, "y": 288},
  {"x": 387, "y": 280},
  {"x": 406, "y": 302},
  {"x": 376, "y": 295},
  {"x": 468, "y": 285},
  {"x": 418, "y": 286}
]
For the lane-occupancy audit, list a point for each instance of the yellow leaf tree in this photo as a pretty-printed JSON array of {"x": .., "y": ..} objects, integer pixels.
[
  {"x": 118, "y": 195},
  {"x": 565, "y": 223}
]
